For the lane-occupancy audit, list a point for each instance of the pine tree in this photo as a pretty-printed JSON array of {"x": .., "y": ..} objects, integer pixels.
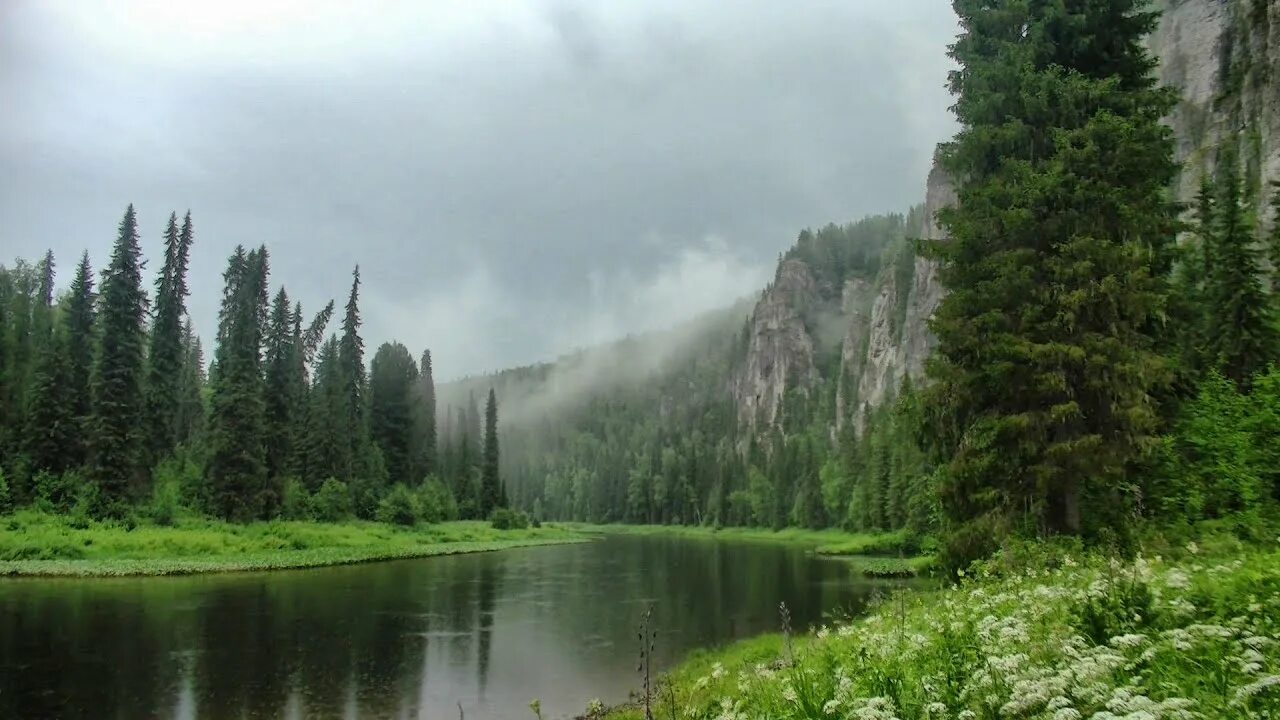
[
  {"x": 237, "y": 464},
  {"x": 51, "y": 425},
  {"x": 78, "y": 323},
  {"x": 116, "y": 449},
  {"x": 1242, "y": 331},
  {"x": 168, "y": 353},
  {"x": 490, "y": 484},
  {"x": 189, "y": 419},
  {"x": 1273, "y": 244},
  {"x": 392, "y": 378},
  {"x": 1042, "y": 384}
]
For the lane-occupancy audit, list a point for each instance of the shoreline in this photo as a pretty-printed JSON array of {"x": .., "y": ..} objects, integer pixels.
[{"x": 35, "y": 545}]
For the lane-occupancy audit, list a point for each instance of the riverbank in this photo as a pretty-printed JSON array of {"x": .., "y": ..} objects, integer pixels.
[
  {"x": 37, "y": 544},
  {"x": 894, "y": 554},
  {"x": 1043, "y": 632}
]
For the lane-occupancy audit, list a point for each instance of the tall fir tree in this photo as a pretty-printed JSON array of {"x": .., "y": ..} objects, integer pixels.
[
  {"x": 167, "y": 356},
  {"x": 50, "y": 415},
  {"x": 236, "y": 469},
  {"x": 189, "y": 420},
  {"x": 351, "y": 365},
  {"x": 1042, "y": 388},
  {"x": 392, "y": 377},
  {"x": 490, "y": 481},
  {"x": 78, "y": 323},
  {"x": 283, "y": 389},
  {"x": 425, "y": 448},
  {"x": 116, "y": 436},
  {"x": 1242, "y": 334}
]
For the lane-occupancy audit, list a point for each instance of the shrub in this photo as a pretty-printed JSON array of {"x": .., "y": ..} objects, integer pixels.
[
  {"x": 164, "y": 505},
  {"x": 399, "y": 507},
  {"x": 5, "y": 500},
  {"x": 508, "y": 519},
  {"x": 331, "y": 502},
  {"x": 57, "y": 492},
  {"x": 86, "y": 506},
  {"x": 364, "y": 498},
  {"x": 435, "y": 502},
  {"x": 296, "y": 504},
  {"x": 1124, "y": 607}
]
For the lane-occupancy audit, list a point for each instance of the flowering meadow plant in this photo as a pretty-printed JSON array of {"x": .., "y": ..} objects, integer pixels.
[{"x": 1077, "y": 638}]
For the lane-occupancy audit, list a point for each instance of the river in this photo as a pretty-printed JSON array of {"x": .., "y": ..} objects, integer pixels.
[{"x": 403, "y": 639}]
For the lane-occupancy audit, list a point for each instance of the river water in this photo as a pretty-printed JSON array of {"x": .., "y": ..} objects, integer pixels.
[{"x": 403, "y": 639}]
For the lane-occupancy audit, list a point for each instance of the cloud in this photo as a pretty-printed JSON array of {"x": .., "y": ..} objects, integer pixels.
[{"x": 514, "y": 178}]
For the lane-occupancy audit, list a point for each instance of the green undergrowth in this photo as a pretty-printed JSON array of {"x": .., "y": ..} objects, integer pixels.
[
  {"x": 34, "y": 543},
  {"x": 1040, "y": 631}
]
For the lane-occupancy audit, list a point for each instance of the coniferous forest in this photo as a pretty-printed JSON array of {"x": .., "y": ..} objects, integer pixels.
[
  {"x": 112, "y": 409},
  {"x": 1104, "y": 354}
]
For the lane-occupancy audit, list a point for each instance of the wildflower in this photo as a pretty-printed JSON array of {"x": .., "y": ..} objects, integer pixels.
[
  {"x": 1257, "y": 686},
  {"x": 935, "y": 710},
  {"x": 536, "y": 706},
  {"x": 1177, "y": 579},
  {"x": 717, "y": 671},
  {"x": 1067, "y": 713},
  {"x": 830, "y": 707},
  {"x": 595, "y": 707},
  {"x": 789, "y": 694},
  {"x": 1129, "y": 641}
]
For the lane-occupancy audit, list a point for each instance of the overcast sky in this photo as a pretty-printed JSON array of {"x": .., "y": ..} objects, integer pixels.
[{"x": 515, "y": 179}]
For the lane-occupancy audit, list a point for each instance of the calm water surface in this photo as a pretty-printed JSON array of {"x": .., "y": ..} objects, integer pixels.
[{"x": 405, "y": 639}]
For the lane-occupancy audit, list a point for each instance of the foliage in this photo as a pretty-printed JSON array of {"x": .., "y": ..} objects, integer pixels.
[
  {"x": 400, "y": 506},
  {"x": 331, "y": 502},
  {"x": 296, "y": 501},
  {"x": 508, "y": 519},
  {"x": 436, "y": 502},
  {"x": 1085, "y": 636}
]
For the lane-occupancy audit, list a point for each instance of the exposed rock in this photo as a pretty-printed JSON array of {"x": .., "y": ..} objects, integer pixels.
[
  {"x": 779, "y": 348},
  {"x": 926, "y": 290},
  {"x": 855, "y": 303},
  {"x": 882, "y": 369}
]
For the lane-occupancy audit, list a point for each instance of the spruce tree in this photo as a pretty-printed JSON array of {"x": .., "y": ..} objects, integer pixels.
[
  {"x": 1042, "y": 388},
  {"x": 51, "y": 425},
  {"x": 115, "y": 433},
  {"x": 1273, "y": 245},
  {"x": 168, "y": 352},
  {"x": 237, "y": 465},
  {"x": 1242, "y": 331},
  {"x": 78, "y": 324},
  {"x": 283, "y": 390},
  {"x": 425, "y": 460},
  {"x": 190, "y": 411},
  {"x": 392, "y": 377},
  {"x": 351, "y": 364},
  {"x": 490, "y": 483}
]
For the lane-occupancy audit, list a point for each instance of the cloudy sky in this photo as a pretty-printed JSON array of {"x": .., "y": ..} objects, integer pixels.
[{"x": 515, "y": 179}]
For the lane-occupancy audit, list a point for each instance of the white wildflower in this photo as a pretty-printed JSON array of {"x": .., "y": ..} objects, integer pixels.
[
  {"x": 1257, "y": 686},
  {"x": 717, "y": 671}
]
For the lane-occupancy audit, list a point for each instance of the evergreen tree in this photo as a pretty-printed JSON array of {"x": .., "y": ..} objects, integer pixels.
[
  {"x": 1242, "y": 331},
  {"x": 351, "y": 363},
  {"x": 392, "y": 378},
  {"x": 78, "y": 324},
  {"x": 116, "y": 449},
  {"x": 490, "y": 483},
  {"x": 325, "y": 450},
  {"x": 283, "y": 389},
  {"x": 237, "y": 464},
  {"x": 167, "y": 356},
  {"x": 189, "y": 419},
  {"x": 425, "y": 460},
  {"x": 1042, "y": 384}
]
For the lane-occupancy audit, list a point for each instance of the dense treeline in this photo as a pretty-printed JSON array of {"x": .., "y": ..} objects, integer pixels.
[
  {"x": 1104, "y": 356},
  {"x": 107, "y": 408}
]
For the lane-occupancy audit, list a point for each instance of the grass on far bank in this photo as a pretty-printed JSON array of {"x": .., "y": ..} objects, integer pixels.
[
  {"x": 891, "y": 554},
  {"x": 34, "y": 543},
  {"x": 1042, "y": 631}
]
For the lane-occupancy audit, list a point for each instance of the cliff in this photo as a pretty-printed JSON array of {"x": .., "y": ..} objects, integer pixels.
[{"x": 1223, "y": 56}]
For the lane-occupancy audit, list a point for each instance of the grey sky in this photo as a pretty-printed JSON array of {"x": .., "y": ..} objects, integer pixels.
[{"x": 515, "y": 178}]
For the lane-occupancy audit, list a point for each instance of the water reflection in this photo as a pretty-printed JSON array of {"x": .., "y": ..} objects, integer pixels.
[{"x": 409, "y": 639}]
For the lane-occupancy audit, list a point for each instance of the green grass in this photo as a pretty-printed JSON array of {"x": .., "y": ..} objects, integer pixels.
[
  {"x": 884, "y": 555},
  {"x": 1041, "y": 631},
  {"x": 33, "y": 543}
]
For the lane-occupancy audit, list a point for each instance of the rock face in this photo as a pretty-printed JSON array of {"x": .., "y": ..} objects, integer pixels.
[
  {"x": 780, "y": 350},
  {"x": 1223, "y": 56}
]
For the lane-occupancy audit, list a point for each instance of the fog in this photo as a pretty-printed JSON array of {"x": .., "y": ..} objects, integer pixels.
[{"x": 515, "y": 179}]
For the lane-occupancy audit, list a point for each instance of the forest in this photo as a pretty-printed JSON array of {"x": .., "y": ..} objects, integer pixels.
[
  {"x": 110, "y": 410},
  {"x": 1104, "y": 355}
]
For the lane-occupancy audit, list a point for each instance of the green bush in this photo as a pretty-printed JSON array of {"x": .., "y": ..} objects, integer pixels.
[
  {"x": 296, "y": 504},
  {"x": 5, "y": 500},
  {"x": 165, "y": 503},
  {"x": 508, "y": 519},
  {"x": 331, "y": 502},
  {"x": 399, "y": 507},
  {"x": 435, "y": 502}
]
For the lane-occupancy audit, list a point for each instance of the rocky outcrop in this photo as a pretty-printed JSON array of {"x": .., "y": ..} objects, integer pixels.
[
  {"x": 780, "y": 350},
  {"x": 1223, "y": 56}
]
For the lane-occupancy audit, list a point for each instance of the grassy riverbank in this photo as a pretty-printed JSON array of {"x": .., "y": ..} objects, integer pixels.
[
  {"x": 34, "y": 543},
  {"x": 1042, "y": 632},
  {"x": 894, "y": 554}
]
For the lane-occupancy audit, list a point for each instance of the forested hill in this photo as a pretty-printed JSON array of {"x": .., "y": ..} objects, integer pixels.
[
  {"x": 788, "y": 418},
  {"x": 667, "y": 426}
]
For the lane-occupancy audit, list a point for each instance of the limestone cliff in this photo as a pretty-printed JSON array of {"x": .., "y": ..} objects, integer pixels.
[{"x": 1223, "y": 56}]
